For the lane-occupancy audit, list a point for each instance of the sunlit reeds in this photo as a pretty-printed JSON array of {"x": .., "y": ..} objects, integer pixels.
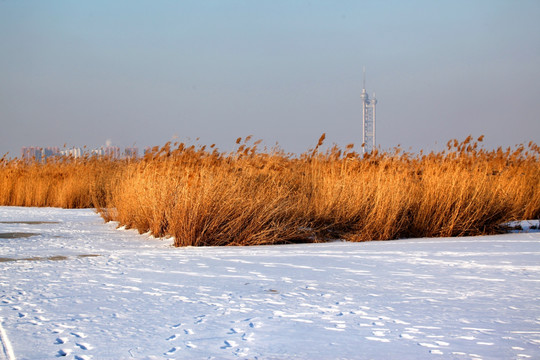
[
  {"x": 201, "y": 196},
  {"x": 59, "y": 182}
]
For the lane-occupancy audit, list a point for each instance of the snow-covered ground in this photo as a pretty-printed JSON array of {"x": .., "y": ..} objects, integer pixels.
[{"x": 85, "y": 290}]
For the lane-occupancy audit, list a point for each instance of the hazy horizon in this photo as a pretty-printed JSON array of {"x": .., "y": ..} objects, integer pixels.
[{"x": 141, "y": 73}]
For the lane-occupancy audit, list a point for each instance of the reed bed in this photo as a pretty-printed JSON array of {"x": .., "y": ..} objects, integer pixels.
[
  {"x": 58, "y": 182},
  {"x": 203, "y": 197}
]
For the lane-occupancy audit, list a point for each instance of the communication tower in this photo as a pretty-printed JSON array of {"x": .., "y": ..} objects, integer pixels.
[{"x": 368, "y": 119}]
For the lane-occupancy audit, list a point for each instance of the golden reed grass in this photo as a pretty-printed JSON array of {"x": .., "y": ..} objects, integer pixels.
[
  {"x": 203, "y": 197},
  {"x": 59, "y": 182}
]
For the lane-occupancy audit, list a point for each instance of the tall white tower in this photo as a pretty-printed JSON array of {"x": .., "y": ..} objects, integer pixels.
[{"x": 368, "y": 119}]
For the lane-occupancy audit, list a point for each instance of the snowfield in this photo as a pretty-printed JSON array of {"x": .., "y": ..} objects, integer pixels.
[{"x": 75, "y": 287}]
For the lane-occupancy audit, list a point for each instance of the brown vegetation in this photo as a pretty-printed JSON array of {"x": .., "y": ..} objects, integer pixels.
[{"x": 203, "y": 197}]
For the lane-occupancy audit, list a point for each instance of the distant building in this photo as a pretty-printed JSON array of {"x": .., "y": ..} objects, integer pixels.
[
  {"x": 131, "y": 152},
  {"x": 39, "y": 154},
  {"x": 368, "y": 119},
  {"x": 31, "y": 153},
  {"x": 112, "y": 152},
  {"x": 50, "y": 151},
  {"x": 73, "y": 152}
]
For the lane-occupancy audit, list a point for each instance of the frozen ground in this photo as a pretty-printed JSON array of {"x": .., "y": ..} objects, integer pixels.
[{"x": 84, "y": 290}]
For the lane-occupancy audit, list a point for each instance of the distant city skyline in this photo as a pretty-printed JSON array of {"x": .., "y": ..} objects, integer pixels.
[
  {"x": 42, "y": 153},
  {"x": 144, "y": 73}
]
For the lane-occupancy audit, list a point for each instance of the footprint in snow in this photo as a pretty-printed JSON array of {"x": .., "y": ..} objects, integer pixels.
[
  {"x": 229, "y": 344},
  {"x": 200, "y": 319},
  {"x": 172, "y": 337},
  {"x": 255, "y": 325},
  {"x": 78, "y": 335},
  {"x": 63, "y": 352},
  {"x": 84, "y": 346},
  {"x": 171, "y": 351},
  {"x": 82, "y": 357},
  {"x": 242, "y": 352},
  {"x": 61, "y": 340}
]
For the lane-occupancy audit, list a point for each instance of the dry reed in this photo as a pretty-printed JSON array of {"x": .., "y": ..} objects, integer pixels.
[
  {"x": 203, "y": 197},
  {"x": 59, "y": 182}
]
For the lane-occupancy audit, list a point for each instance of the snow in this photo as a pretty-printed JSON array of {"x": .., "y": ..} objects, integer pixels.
[{"x": 82, "y": 289}]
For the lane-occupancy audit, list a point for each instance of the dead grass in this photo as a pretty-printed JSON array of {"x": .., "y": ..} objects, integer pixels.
[{"x": 203, "y": 197}]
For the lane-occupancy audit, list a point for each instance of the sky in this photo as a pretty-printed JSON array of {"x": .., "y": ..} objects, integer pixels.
[{"x": 141, "y": 73}]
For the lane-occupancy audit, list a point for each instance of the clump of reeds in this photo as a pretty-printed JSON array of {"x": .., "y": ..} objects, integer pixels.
[
  {"x": 207, "y": 198},
  {"x": 201, "y": 196},
  {"x": 204, "y": 197},
  {"x": 58, "y": 182}
]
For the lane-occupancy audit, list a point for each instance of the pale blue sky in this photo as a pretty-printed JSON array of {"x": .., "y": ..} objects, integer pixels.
[{"x": 144, "y": 72}]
